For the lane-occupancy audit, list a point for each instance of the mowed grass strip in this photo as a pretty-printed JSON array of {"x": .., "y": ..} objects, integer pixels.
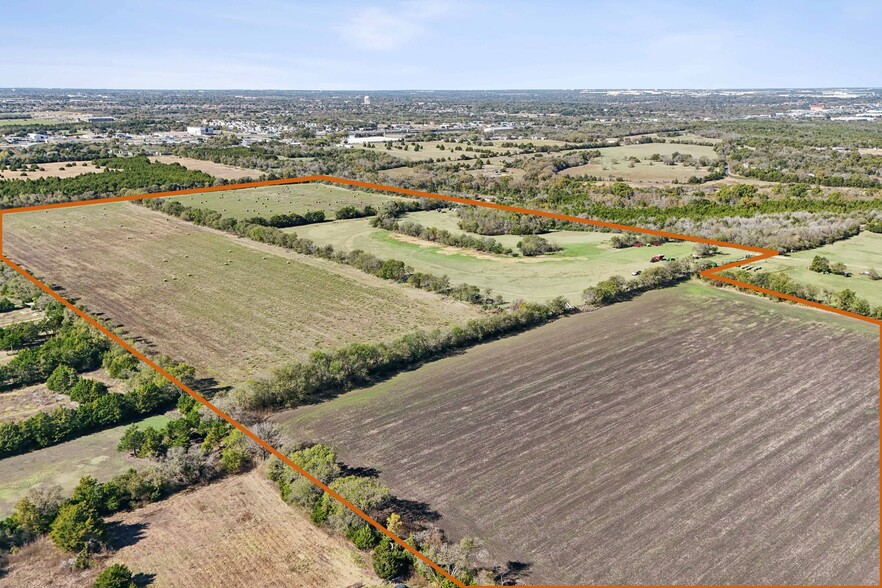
[
  {"x": 690, "y": 436},
  {"x": 296, "y": 198},
  {"x": 586, "y": 258},
  {"x": 231, "y": 307},
  {"x": 235, "y": 532}
]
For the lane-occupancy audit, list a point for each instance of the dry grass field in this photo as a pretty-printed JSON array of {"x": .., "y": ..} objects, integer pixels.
[
  {"x": 236, "y": 532},
  {"x": 692, "y": 436},
  {"x": 230, "y": 307},
  {"x": 218, "y": 170},
  {"x": 433, "y": 149},
  {"x": 293, "y": 198},
  {"x": 20, "y": 315},
  {"x": 25, "y": 402},
  {"x": 52, "y": 170}
]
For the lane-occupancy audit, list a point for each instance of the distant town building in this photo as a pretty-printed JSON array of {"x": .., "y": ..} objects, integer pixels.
[
  {"x": 200, "y": 131},
  {"x": 367, "y": 100},
  {"x": 355, "y": 140},
  {"x": 97, "y": 119},
  {"x": 40, "y": 137},
  {"x": 817, "y": 107}
]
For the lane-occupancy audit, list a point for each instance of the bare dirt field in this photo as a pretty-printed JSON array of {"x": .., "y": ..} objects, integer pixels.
[
  {"x": 230, "y": 307},
  {"x": 692, "y": 436},
  {"x": 52, "y": 170},
  {"x": 236, "y": 532},
  {"x": 218, "y": 170}
]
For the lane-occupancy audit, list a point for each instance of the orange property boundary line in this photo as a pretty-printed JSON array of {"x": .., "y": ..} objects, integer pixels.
[{"x": 711, "y": 273}]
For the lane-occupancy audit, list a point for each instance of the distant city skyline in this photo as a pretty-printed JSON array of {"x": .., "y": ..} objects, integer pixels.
[{"x": 441, "y": 44}]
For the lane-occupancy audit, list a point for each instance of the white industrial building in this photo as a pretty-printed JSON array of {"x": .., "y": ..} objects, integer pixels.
[{"x": 200, "y": 131}]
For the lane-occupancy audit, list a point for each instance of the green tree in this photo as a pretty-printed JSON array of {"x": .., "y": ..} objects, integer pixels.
[
  {"x": 236, "y": 455},
  {"x": 87, "y": 390},
  {"x": 390, "y": 560},
  {"x": 34, "y": 513},
  {"x": 76, "y": 527},
  {"x": 368, "y": 494},
  {"x": 62, "y": 379},
  {"x": 820, "y": 264},
  {"x": 536, "y": 245}
]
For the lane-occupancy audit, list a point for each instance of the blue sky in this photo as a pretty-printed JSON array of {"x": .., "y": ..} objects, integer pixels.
[{"x": 439, "y": 44}]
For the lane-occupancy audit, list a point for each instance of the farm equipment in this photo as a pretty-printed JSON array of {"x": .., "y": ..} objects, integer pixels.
[{"x": 657, "y": 258}]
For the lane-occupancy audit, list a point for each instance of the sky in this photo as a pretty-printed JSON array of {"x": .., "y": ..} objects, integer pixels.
[{"x": 439, "y": 44}]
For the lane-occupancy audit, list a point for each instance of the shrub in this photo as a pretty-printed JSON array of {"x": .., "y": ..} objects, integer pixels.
[
  {"x": 535, "y": 245},
  {"x": 363, "y": 536},
  {"x": 6, "y": 304},
  {"x": 236, "y": 455},
  {"x": 390, "y": 561},
  {"x": 115, "y": 576}
]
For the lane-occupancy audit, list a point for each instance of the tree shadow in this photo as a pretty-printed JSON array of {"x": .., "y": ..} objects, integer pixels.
[
  {"x": 209, "y": 386},
  {"x": 121, "y": 535},
  {"x": 362, "y": 472},
  {"x": 513, "y": 572},
  {"x": 142, "y": 579},
  {"x": 418, "y": 513}
]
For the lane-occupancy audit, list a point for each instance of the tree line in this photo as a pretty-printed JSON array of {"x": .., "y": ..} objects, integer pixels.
[
  {"x": 373, "y": 497},
  {"x": 617, "y": 288},
  {"x": 121, "y": 175},
  {"x": 74, "y": 348},
  {"x": 443, "y": 236},
  {"x": 845, "y": 299},
  {"x": 333, "y": 372},
  {"x": 76, "y": 524},
  {"x": 388, "y": 269}
]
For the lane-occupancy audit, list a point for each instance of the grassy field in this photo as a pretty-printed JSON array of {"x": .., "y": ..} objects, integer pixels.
[
  {"x": 235, "y": 532},
  {"x": 295, "y": 198},
  {"x": 231, "y": 307},
  {"x": 586, "y": 259},
  {"x": 64, "y": 464},
  {"x": 860, "y": 253},
  {"x": 614, "y": 163},
  {"x": 686, "y": 437},
  {"x": 218, "y": 170},
  {"x": 431, "y": 150},
  {"x": 11, "y": 122},
  {"x": 52, "y": 170}
]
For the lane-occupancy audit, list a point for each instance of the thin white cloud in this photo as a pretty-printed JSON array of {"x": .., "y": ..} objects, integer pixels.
[{"x": 380, "y": 28}]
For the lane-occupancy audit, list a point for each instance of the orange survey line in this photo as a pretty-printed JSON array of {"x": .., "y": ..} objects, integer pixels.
[{"x": 711, "y": 274}]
